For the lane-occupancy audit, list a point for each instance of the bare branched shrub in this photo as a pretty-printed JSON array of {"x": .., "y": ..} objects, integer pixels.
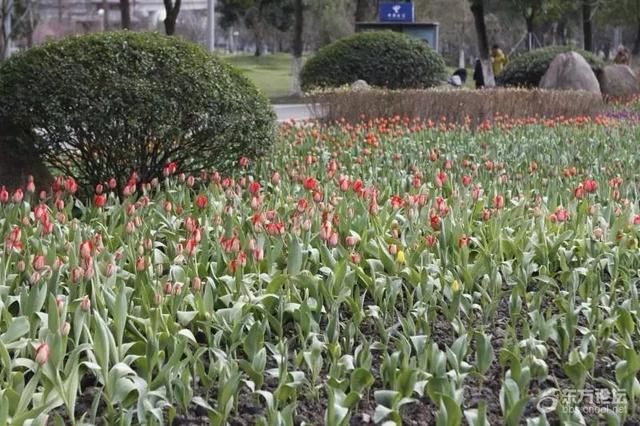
[{"x": 456, "y": 106}]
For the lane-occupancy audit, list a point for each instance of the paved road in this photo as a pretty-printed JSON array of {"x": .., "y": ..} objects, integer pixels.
[{"x": 292, "y": 111}]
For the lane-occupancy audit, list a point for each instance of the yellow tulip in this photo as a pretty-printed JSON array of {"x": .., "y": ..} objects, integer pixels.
[
  {"x": 400, "y": 256},
  {"x": 455, "y": 286}
]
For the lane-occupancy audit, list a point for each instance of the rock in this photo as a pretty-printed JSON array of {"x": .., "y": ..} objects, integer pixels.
[
  {"x": 570, "y": 71},
  {"x": 618, "y": 81},
  {"x": 360, "y": 85}
]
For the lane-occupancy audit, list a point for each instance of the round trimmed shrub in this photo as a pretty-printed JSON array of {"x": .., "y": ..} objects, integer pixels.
[
  {"x": 381, "y": 58},
  {"x": 102, "y": 105},
  {"x": 527, "y": 69}
]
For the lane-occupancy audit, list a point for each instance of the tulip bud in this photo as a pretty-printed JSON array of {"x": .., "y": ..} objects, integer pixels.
[
  {"x": 60, "y": 303},
  {"x": 351, "y": 240},
  {"x": 85, "y": 249},
  {"x": 196, "y": 283},
  {"x": 393, "y": 249},
  {"x": 157, "y": 299},
  {"x": 35, "y": 277},
  {"x": 85, "y": 304},
  {"x": 76, "y": 274},
  {"x": 177, "y": 289},
  {"x": 42, "y": 353},
  {"x": 89, "y": 271},
  {"x": 333, "y": 239},
  {"x": 65, "y": 329},
  {"x": 21, "y": 266},
  {"x": 167, "y": 287},
  {"x": 275, "y": 179},
  {"x": 140, "y": 264}
]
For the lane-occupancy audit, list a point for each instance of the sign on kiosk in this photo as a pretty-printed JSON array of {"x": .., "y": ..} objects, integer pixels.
[{"x": 396, "y": 12}]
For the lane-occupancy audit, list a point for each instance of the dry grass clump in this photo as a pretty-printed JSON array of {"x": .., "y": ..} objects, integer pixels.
[{"x": 456, "y": 106}]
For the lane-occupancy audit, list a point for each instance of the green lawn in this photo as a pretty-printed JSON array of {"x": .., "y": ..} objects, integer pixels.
[{"x": 271, "y": 73}]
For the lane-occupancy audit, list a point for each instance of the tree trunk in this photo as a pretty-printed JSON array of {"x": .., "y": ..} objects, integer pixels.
[
  {"x": 636, "y": 43},
  {"x": 259, "y": 38},
  {"x": 477, "y": 9},
  {"x": 6, "y": 30},
  {"x": 125, "y": 14},
  {"x": 587, "y": 30},
  {"x": 297, "y": 47},
  {"x": 362, "y": 6},
  {"x": 31, "y": 25},
  {"x": 530, "y": 33},
  {"x": 172, "y": 16}
]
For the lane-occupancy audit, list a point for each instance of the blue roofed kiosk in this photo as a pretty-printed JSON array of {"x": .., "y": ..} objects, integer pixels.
[{"x": 400, "y": 17}]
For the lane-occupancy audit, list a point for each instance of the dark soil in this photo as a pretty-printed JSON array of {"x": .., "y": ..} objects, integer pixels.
[{"x": 310, "y": 410}]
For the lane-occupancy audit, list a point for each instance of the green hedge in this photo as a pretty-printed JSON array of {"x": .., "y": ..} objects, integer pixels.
[
  {"x": 101, "y": 105},
  {"x": 381, "y": 58},
  {"x": 527, "y": 69}
]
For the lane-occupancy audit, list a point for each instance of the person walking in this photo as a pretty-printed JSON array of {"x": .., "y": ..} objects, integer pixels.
[
  {"x": 623, "y": 56},
  {"x": 498, "y": 59},
  {"x": 478, "y": 76}
]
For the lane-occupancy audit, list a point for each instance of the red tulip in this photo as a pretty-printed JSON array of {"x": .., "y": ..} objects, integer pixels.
[
  {"x": 202, "y": 201},
  {"x": 590, "y": 186},
  {"x": 396, "y": 201},
  {"x": 254, "y": 187},
  {"x": 310, "y": 183},
  {"x": 100, "y": 200},
  {"x": 18, "y": 195},
  {"x": 431, "y": 240},
  {"x": 435, "y": 222},
  {"x": 4, "y": 195}
]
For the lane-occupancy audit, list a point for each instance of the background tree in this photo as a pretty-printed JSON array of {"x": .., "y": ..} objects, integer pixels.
[
  {"x": 172, "y": 9},
  {"x": 587, "y": 30},
  {"x": 258, "y": 16},
  {"x": 125, "y": 14},
  {"x": 18, "y": 19},
  {"x": 477, "y": 9},
  {"x": 297, "y": 46},
  {"x": 624, "y": 13},
  {"x": 328, "y": 20}
]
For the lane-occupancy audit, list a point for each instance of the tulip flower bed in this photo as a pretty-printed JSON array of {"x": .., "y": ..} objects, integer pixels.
[{"x": 385, "y": 272}]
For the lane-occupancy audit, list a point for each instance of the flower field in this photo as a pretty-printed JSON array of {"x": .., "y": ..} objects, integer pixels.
[{"x": 392, "y": 272}]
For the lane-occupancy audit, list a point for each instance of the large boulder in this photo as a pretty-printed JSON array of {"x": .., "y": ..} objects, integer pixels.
[
  {"x": 570, "y": 71},
  {"x": 618, "y": 81},
  {"x": 360, "y": 85}
]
